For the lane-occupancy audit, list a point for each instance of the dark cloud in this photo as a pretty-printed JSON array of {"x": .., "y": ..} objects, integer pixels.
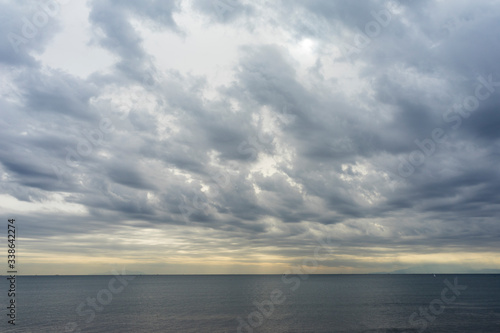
[
  {"x": 114, "y": 31},
  {"x": 224, "y": 11},
  {"x": 25, "y": 28}
]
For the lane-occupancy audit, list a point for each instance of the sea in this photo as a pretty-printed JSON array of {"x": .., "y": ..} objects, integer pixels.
[{"x": 379, "y": 303}]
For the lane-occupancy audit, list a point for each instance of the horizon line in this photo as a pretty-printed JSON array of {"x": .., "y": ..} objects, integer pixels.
[{"x": 242, "y": 274}]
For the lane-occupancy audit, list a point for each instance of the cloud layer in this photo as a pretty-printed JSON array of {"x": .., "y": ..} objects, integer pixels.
[{"x": 233, "y": 136}]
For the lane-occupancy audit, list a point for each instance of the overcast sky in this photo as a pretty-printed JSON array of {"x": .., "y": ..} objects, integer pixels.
[{"x": 228, "y": 136}]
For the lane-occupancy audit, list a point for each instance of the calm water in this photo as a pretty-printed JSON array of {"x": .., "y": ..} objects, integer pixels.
[{"x": 320, "y": 303}]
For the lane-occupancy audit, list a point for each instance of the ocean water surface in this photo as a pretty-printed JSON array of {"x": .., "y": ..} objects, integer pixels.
[{"x": 255, "y": 303}]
